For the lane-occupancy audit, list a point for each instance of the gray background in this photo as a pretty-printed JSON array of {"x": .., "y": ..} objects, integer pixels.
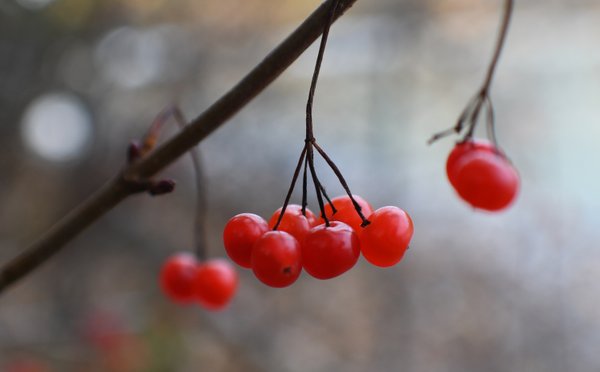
[{"x": 514, "y": 291}]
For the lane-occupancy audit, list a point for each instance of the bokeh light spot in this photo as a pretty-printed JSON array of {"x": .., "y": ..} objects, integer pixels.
[
  {"x": 131, "y": 58},
  {"x": 57, "y": 127},
  {"x": 34, "y": 4}
]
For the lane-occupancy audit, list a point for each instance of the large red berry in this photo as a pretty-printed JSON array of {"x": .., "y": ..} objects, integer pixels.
[
  {"x": 385, "y": 240},
  {"x": 463, "y": 148},
  {"x": 330, "y": 251},
  {"x": 240, "y": 234},
  {"x": 486, "y": 180},
  {"x": 293, "y": 221},
  {"x": 215, "y": 283},
  {"x": 346, "y": 212},
  {"x": 177, "y": 277},
  {"x": 276, "y": 259}
]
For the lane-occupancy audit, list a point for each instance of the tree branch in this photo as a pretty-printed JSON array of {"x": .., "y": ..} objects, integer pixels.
[{"x": 212, "y": 118}]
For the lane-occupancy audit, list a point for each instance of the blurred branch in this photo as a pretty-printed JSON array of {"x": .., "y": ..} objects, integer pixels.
[{"x": 127, "y": 182}]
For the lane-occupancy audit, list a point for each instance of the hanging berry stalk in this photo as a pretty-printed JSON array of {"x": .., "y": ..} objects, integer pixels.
[
  {"x": 310, "y": 144},
  {"x": 187, "y": 278},
  {"x": 325, "y": 247},
  {"x": 468, "y": 119},
  {"x": 478, "y": 170}
]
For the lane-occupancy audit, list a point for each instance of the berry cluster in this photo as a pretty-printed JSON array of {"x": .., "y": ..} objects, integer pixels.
[
  {"x": 481, "y": 175},
  {"x": 211, "y": 283},
  {"x": 186, "y": 278},
  {"x": 325, "y": 249}
]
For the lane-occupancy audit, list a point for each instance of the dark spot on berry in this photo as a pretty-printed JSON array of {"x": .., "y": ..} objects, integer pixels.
[{"x": 287, "y": 270}]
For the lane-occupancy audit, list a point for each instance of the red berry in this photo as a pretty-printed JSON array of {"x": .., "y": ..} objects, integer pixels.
[
  {"x": 385, "y": 240},
  {"x": 177, "y": 277},
  {"x": 330, "y": 251},
  {"x": 312, "y": 219},
  {"x": 215, "y": 283},
  {"x": 486, "y": 180},
  {"x": 276, "y": 259},
  {"x": 463, "y": 148},
  {"x": 240, "y": 234},
  {"x": 346, "y": 212},
  {"x": 293, "y": 221}
]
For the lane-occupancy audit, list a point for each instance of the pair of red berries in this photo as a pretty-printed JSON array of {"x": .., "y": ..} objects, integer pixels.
[
  {"x": 211, "y": 283},
  {"x": 304, "y": 241},
  {"x": 481, "y": 175}
]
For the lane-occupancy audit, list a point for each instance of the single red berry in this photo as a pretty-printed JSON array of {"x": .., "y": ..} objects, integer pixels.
[
  {"x": 215, "y": 283},
  {"x": 346, "y": 212},
  {"x": 486, "y": 180},
  {"x": 330, "y": 251},
  {"x": 276, "y": 259},
  {"x": 463, "y": 148},
  {"x": 240, "y": 234},
  {"x": 293, "y": 221},
  {"x": 177, "y": 277},
  {"x": 384, "y": 241}
]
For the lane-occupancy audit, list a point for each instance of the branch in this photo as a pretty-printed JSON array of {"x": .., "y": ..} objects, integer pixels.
[{"x": 124, "y": 184}]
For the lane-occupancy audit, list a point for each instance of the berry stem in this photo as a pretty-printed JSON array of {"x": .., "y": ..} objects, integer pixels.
[
  {"x": 310, "y": 138},
  {"x": 304, "y": 186},
  {"x": 340, "y": 177},
  {"x": 473, "y": 117},
  {"x": 291, "y": 188},
  {"x": 315, "y": 77},
  {"x": 490, "y": 123},
  {"x": 508, "y": 7},
  {"x": 333, "y": 210},
  {"x": 317, "y": 183},
  {"x": 201, "y": 201},
  {"x": 309, "y": 141},
  {"x": 473, "y": 109}
]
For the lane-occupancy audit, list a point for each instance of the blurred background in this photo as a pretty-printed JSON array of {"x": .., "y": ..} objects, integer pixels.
[{"x": 514, "y": 291}]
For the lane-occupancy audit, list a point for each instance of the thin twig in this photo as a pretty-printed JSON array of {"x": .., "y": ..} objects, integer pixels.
[
  {"x": 340, "y": 177},
  {"x": 291, "y": 189},
  {"x": 508, "y": 7},
  {"x": 216, "y": 115},
  {"x": 315, "y": 76},
  {"x": 324, "y": 191},
  {"x": 201, "y": 200},
  {"x": 310, "y": 138},
  {"x": 317, "y": 183},
  {"x": 473, "y": 108},
  {"x": 304, "y": 186},
  {"x": 491, "y": 127}
]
